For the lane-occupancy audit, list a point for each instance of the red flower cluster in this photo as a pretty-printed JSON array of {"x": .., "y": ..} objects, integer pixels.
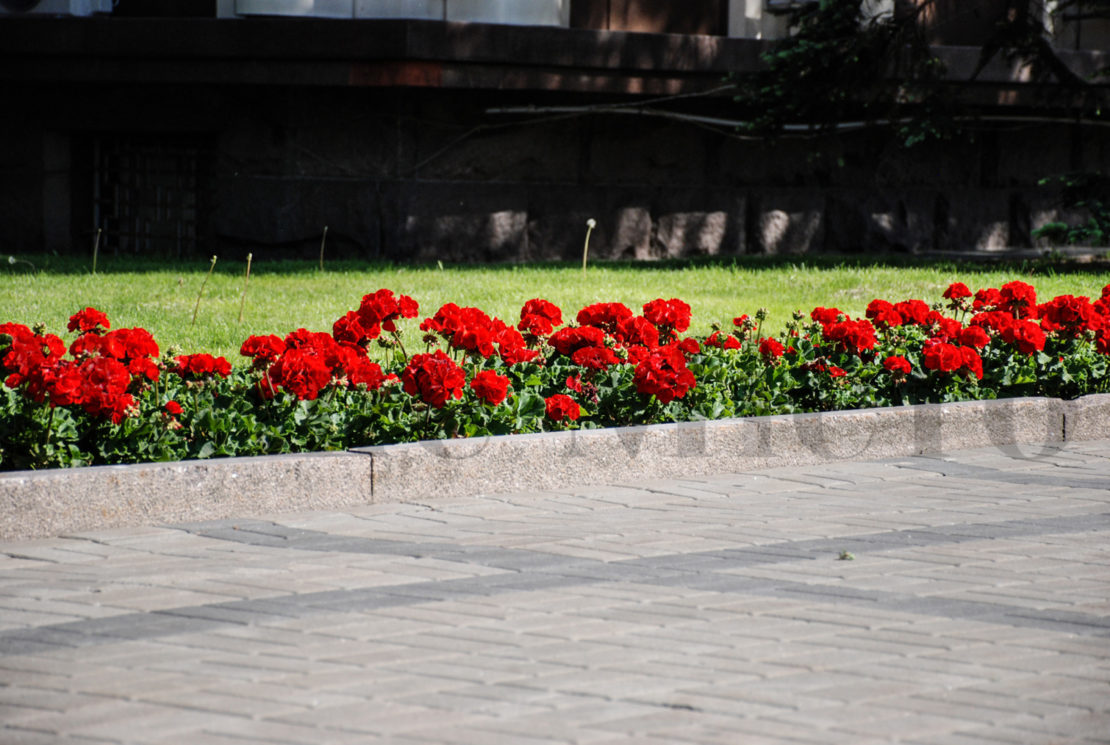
[
  {"x": 1070, "y": 316},
  {"x": 669, "y": 316},
  {"x": 200, "y": 366},
  {"x": 98, "y": 379},
  {"x": 561, "y": 407},
  {"x": 471, "y": 330},
  {"x": 853, "y": 337},
  {"x": 434, "y": 378},
  {"x": 306, "y": 362},
  {"x": 539, "y": 317},
  {"x": 490, "y": 387},
  {"x": 605, "y": 316},
  {"x": 945, "y": 357},
  {"x": 664, "y": 374}
]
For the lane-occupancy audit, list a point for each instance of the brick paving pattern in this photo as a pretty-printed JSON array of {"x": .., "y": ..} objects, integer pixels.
[{"x": 939, "y": 600}]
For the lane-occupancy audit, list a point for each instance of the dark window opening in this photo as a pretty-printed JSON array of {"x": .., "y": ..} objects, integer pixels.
[{"x": 147, "y": 194}]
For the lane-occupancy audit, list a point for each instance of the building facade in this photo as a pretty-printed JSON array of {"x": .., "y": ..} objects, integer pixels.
[{"x": 488, "y": 130}]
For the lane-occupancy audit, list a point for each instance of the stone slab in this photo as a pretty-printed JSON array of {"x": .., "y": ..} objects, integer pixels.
[
  {"x": 45, "y": 503},
  {"x": 560, "y": 459}
]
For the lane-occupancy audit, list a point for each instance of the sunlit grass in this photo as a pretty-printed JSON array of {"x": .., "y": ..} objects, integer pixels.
[{"x": 283, "y": 296}]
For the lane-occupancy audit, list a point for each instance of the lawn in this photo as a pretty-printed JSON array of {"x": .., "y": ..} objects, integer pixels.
[{"x": 283, "y": 296}]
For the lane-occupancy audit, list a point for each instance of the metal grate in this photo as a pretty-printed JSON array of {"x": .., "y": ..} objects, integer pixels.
[{"x": 145, "y": 195}]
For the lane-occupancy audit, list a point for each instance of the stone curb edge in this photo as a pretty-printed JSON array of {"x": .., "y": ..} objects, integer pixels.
[{"x": 49, "y": 503}]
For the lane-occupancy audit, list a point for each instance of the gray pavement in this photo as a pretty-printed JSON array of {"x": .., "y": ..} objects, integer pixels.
[{"x": 957, "y": 599}]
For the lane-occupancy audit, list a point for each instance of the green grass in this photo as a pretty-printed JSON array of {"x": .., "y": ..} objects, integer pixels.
[{"x": 283, "y": 296}]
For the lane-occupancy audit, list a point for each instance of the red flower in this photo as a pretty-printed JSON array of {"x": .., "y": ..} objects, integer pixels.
[
  {"x": 740, "y": 320},
  {"x": 883, "y": 313},
  {"x": 434, "y": 378},
  {"x": 173, "y": 408},
  {"x": 561, "y": 406},
  {"x": 567, "y": 341},
  {"x": 825, "y": 316},
  {"x": 853, "y": 337},
  {"x": 301, "y": 371},
  {"x": 380, "y": 309},
  {"x": 669, "y": 316},
  {"x": 913, "y": 311},
  {"x": 637, "y": 330},
  {"x": 490, "y": 387},
  {"x": 349, "y": 329},
  {"x": 605, "y": 316},
  {"x": 89, "y": 320},
  {"x": 957, "y": 291},
  {"x": 987, "y": 299},
  {"x": 941, "y": 356},
  {"x": 836, "y": 372},
  {"x": 689, "y": 346},
  {"x": 1019, "y": 298},
  {"x": 972, "y": 362},
  {"x": 974, "y": 336},
  {"x": 202, "y": 366},
  {"x": 945, "y": 357},
  {"x": 63, "y": 383},
  {"x": 574, "y": 383},
  {"x": 539, "y": 317},
  {"x": 664, "y": 375},
  {"x": 770, "y": 348},
  {"x": 1069, "y": 316},
  {"x": 897, "y": 365},
  {"x": 594, "y": 358},
  {"x": 264, "y": 349},
  {"x": 1028, "y": 336},
  {"x": 722, "y": 341}
]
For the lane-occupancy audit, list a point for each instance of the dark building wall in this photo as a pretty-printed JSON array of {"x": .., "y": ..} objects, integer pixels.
[{"x": 427, "y": 174}]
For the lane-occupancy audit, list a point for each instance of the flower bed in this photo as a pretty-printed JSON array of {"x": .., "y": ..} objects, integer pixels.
[{"x": 110, "y": 397}]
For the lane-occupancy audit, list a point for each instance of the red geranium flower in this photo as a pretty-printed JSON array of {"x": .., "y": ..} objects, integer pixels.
[
  {"x": 560, "y": 407},
  {"x": 605, "y": 316},
  {"x": 637, "y": 330},
  {"x": 1019, "y": 299},
  {"x": 898, "y": 365},
  {"x": 594, "y": 358},
  {"x": 770, "y": 348},
  {"x": 202, "y": 366},
  {"x": 913, "y": 311},
  {"x": 89, "y": 320},
  {"x": 173, "y": 408},
  {"x": 1026, "y": 335},
  {"x": 669, "y": 316},
  {"x": 722, "y": 341},
  {"x": 264, "y": 349},
  {"x": 434, "y": 378},
  {"x": 957, "y": 291},
  {"x": 974, "y": 336},
  {"x": 664, "y": 375},
  {"x": 567, "y": 341},
  {"x": 883, "y": 313},
  {"x": 301, "y": 371},
  {"x": 853, "y": 337},
  {"x": 539, "y": 317},
  {"x": 825, "y": 316},
  {"x": 1069, "y": 316},
  {"x": 490, "y": 387}
]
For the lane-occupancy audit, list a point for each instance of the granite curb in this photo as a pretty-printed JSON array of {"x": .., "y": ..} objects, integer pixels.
[{"x": 48, "y": 503}]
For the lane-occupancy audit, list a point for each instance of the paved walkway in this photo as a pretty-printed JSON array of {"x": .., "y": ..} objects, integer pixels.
[{"x": 963, "y": 599}]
